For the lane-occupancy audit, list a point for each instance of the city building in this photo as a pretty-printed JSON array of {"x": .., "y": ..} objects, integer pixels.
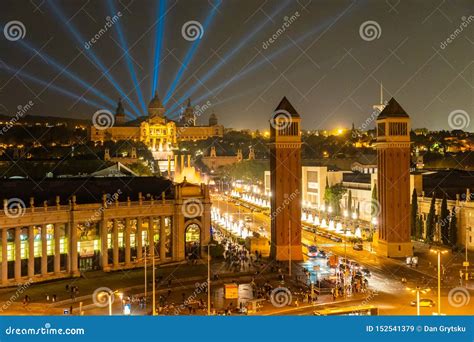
[
  {"x": 285, "y": 174},
  {"x": 393, "y": 181},
  {"x": 213, "y": 161},
  {"x": 155, "y": 130},
  {"x": 189, "y": 130},
  {"x": 56, "y": 228}
]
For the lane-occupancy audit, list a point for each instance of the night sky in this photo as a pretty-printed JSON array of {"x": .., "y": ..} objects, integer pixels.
[{"x": 326, "y": 66}]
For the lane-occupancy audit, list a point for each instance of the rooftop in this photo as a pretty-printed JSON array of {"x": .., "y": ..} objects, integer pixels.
[{"x": 87, "y": 190}]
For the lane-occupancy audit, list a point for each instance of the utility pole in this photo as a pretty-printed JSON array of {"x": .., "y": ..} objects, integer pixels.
[
  {"x": 145, "y": 276},
  {"x": 154, "y": 285},
  {"x": 289, "y": 248}
]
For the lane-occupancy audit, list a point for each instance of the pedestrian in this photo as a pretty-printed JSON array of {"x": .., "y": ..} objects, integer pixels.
[
  {"x": 54, "y": 298},
  {"x": 47, "y": 297},
  {"x": 70, "y": 310}
]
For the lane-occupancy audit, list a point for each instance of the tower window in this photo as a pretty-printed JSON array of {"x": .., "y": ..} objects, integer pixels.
[
  {"x": 381, "y": 129},
  {"x": 398, "y": 128}
]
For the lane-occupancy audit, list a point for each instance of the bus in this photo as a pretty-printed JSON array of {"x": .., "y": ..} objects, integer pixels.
[{"x": 357, "y": 310}]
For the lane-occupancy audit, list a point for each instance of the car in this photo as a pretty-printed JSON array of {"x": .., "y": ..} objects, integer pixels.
[
  {"x": 248, "y": 219},
  {"x": 322, "y": 254},
  {"x": 312, "y": 251},
  {"x": 358, "y": 247},
  {"x": 366, "y": 272},
  {"x": 424, "y": 302}
]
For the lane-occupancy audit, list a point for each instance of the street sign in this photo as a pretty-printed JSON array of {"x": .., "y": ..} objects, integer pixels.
[
  {"x": 231, "y": 291},
  {"x": 465, "y": 264}
]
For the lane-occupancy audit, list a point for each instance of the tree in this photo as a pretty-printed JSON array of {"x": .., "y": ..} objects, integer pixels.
[
  {"x": 419, "y": 227},
  {"x": 333, "y": 196},
  {"x": 430, "y": 221},
  {"x": 349, "y": 203},
  {"x": 444, "y": 220},
  {"x": 414, "y": 214},
  {"x": 453, "y": 228},
  {"x": 326, "y": 201}
]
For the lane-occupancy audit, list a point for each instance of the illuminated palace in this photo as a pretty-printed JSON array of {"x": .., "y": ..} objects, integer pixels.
[
  {"x": 157, "y": 131},
  {"x": 70, "y": 225}
]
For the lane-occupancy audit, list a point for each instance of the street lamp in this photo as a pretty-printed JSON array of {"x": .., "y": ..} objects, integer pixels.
[
  {"x": 439, "y": 252},
  {"x": 466, "y": 263},
  {"x": 209, "y": 278},
  {"x": 417, "y": 290},
  {"x": 110, "y": 295}
]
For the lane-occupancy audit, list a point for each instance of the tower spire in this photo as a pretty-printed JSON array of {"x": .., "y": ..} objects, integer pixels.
[{"x": 381, "y": 93}]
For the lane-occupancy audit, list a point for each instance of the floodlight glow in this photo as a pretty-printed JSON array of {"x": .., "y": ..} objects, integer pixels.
[
  {"x": 97, "y": 63},
  {"x": 224, "y": 59},
  {"x": 128, "y": 59},
  {"x": 63, "y": 70},
  {"x": 48, "y": 85},
  {"x": 326, "y": 23},
  {"x": 190, "y": 53},
  {"x": 158, "y": 43}
]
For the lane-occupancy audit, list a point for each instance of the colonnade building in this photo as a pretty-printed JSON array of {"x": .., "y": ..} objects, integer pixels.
[{"x": 56, "y": 228}]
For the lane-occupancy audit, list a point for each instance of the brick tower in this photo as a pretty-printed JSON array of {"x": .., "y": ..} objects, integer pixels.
[
  {"x": 285, "y": 168},
  {"x": 393, "y": 181}
]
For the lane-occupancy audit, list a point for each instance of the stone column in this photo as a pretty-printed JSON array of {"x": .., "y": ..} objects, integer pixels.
[
  {"x": 127, "y": 242},
  {"x": 17, "y": 254},
  {"x": 178, "y": 234},
  {"x": 31, "y": 251},
  {"x": 115, "y": 244},
  {"x": 103, "y": 244},
  {"x": 151, "y": 241},
  {"x": 44, "y": 251},
  {"x": 73, "y": 248},
  {"x": 57, "y": 249},
  {"x": 162, "y": 239},
  {"x": 4, "y": 257},
  {"x": 138, "y": 239}
]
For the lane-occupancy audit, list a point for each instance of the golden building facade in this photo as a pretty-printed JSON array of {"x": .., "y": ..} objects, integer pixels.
[{"x": 155, "y": 130}]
